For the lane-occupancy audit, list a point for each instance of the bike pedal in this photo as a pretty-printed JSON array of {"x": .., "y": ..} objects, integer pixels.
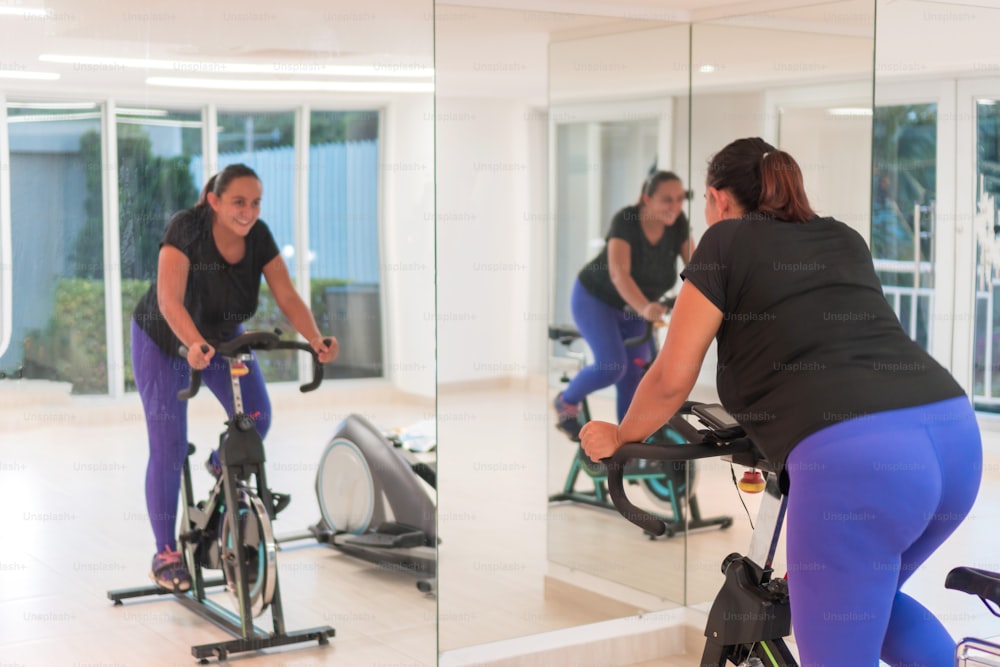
[{"x": 281, "y": 501}]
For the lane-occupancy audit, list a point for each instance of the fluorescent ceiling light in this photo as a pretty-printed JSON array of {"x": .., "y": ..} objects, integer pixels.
[
  {"x": 52, "y": 105},
  {"x": 24, "y": 12},
  {"x": 54, "y": 117},
  {"x": 394, "y": 70},
  {"x": 130, "y": 111},
  {"x": 850, "y": 111},
  {"x": 331, "y": 86},
  {"x": 44, "y": 76}
]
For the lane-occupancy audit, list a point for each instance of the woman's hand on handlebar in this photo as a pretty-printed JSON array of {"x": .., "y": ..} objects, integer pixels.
[
  {"x": 654, "y": 311},
  {"x": 599, "y": 439},
  {"x": 326, "y": 348},
  {"x": 200, "y": 354}
]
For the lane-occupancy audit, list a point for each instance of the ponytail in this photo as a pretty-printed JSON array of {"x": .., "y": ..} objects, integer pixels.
[
  {"x": 782, "y": 193},
  {"x": 209, "y": 187},
  {"x": 762, "y": 179}
]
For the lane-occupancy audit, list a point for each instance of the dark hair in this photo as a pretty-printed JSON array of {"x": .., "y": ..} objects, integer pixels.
[
  {"x": 220, "y": 182},
  {"x": 761, "y": 178},
  {"x": 651, "y": 184}
]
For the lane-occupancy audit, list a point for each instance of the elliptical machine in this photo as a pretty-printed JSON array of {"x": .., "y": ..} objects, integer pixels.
[
  {"x": 240, "y": 543},
  {"x": 375, "y": 501}
]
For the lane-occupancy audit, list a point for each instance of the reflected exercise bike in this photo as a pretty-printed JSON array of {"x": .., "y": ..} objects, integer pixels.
[{"x": 670, "y": 483}]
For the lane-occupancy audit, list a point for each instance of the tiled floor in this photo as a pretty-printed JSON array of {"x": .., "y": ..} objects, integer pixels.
[{"x": 74, "y": 526}]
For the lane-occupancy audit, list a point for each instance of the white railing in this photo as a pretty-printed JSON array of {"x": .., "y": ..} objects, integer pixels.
[{"x": 917, "y": 296}]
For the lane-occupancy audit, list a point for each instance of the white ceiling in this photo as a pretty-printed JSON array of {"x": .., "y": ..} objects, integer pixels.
[{"x": 477, "y": 47}]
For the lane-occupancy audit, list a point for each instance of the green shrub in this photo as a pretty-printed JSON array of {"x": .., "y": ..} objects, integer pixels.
[{"x": 73, "y": 347}]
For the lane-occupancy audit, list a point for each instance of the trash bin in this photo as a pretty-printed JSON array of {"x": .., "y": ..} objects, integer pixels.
[{"x": 355, "y": 317}]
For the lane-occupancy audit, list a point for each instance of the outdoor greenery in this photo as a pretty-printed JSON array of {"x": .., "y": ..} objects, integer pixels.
[{"x": 72, "y": 347}]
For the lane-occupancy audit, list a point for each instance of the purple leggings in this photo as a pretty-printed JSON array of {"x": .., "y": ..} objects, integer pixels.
[
  {"x": 606, "y": 329},
  {"x": 159, "y": 377},
  {"x": 870, "y": 500}
]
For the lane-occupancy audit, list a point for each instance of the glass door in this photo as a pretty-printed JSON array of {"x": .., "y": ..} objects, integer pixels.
[
  {"x": 978, "y": 190},
  {"x": 913, "y": 221}
]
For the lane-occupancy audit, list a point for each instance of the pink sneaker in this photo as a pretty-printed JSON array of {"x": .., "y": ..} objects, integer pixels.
[
  {"x": 568, "y": 418},
  {"x": 169, "y": 571}
]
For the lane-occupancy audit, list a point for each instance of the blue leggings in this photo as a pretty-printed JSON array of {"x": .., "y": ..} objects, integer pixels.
[
  {"x": 605, "y": 329},
  {"x": 870, "y": 500},
  {"x": 159, "y": 377}
]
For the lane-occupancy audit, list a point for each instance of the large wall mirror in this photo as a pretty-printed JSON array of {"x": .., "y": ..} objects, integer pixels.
[
  {"x": 810, "y": 94},
  {"x": 113, "y": 116},
  {"x": 933, "y": 214},
  {"x": 802, "y": 79},
  {"x": 617, "y": 107}
]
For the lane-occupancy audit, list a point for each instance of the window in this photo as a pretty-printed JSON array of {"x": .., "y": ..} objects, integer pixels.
[{"x": 58, "y": 329}]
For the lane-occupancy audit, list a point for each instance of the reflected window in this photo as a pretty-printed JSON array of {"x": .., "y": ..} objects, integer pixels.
[
  {"x": 986, "y": 347},
  {"x": 156, "y": 151},
  {"x": 57, "y": 238},
  {"x": 904, "y": 194},
  {"x": 344, "y": 275},
  {"x": 600, "y": 168},
  {"x": 265, "y": 142}
]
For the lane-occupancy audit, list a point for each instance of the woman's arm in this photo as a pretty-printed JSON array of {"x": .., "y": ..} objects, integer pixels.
[
  {"x": 669, "y": 380},
  {"x": 620, "y": 269},
  {"x": 296, "y": 310},
  {"x": 687, "y": 250},
  {"x": 171, "y": 284}
]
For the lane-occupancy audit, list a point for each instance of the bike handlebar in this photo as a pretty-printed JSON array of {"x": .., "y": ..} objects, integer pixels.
[
  {"x": 703, "y": 444},
  {"x": 244, "y": 344}
]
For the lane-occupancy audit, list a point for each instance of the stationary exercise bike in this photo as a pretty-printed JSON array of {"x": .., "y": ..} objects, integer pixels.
[
  {"x": 751, "y": 615},
  {"x": 240, "y": 543},
  {"x": 376, "y": 500},
  {"x": 666, "y": 481}
]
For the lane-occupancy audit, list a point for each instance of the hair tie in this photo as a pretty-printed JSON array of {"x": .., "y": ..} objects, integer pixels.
[{"x": 766, "y": 153}]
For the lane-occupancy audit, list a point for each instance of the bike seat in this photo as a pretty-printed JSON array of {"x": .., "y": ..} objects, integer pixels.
[
  {"x": 563, "y": 333},
  {"x": 970, "y": 580}
]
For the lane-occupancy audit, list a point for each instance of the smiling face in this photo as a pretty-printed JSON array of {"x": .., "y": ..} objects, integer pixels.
[
  {"x": 666, "y": 202},
  {"x": 238, "y": 207}
]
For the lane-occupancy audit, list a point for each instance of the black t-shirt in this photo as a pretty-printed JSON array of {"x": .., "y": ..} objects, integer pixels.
[
  {"x": 808, "y": 338},
  {"x": 654, "y": 266},
  {"x": 219, "y": 295}
]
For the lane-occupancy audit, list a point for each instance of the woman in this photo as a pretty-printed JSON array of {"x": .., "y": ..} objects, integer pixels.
[
  {"x": 878, "y": 445},
  {"x": 208, "y": 280},
  {"x": 636, "y": 266}
]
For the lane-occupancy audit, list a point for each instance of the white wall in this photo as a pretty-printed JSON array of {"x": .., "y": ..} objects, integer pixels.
[
  {"x": 407, "y": 170},
  {"x": 492, "y": 227}
]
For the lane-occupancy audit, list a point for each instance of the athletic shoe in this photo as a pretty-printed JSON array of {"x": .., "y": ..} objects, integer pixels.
[
  {"x": 213, "y": 465},
  {"x": 568, "y": 418},
  {"x": 169, "y": 571}
]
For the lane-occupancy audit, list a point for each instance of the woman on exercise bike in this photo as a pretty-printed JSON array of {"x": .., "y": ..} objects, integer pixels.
[
  {"x": 208, "y": 280},
  {"x": 878, "y": 445},
  {"x": 637, "y": 265}
]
